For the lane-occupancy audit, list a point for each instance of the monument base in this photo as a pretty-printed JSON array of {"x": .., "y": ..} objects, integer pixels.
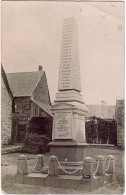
[
  {"x": 73, "y": 152},
  {"x": 70, "y": 151},
  {"x": 65, "y": 181}
]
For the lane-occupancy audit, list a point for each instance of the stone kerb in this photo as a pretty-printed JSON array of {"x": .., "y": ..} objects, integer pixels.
[
  {"x": 39, "y": 163},
  {"x": 53, "y": 166},
  {"x": 88, "y": 167},
  {"x": 111, "y": 165},
  {"x": 88, "y": 182},
  {"x": 100, "y": 169},
  {"x": 22, "y": 165}
]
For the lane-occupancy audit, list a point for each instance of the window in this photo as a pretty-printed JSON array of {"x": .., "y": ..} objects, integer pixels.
[{"x": 15, "y": 108}]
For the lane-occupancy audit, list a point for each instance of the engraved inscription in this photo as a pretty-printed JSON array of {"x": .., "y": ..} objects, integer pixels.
[
  {"x": 69, "y": 77},
  {"x": 63, "y": 126}
]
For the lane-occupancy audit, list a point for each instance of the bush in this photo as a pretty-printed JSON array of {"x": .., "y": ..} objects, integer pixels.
[
  {"x": 36, "y": 143},
  {"x": 91, "y": 130},
  {"x": 101, "y": 130}
]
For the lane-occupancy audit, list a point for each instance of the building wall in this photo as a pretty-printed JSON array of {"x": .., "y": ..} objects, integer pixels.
[
  {"x": 37, "y": 112},
  {"x": 21, "y": 114},
  {"x": 41, "y": 91},
  {"x": 120, "y": 122},
  {"x": 6, "y": 114},
  {"x": 22, "y": 108},
  {"x": 41, "y": 122}
]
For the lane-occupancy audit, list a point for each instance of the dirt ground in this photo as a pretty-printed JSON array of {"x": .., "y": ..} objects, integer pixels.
[{"x": 9, "y": 168}]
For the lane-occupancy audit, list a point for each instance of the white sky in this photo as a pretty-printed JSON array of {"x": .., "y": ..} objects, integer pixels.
[{"x": 32, "y": 34}]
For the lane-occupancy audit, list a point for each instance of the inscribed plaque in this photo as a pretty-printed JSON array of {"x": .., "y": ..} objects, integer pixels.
[{"x": 63, "y": 123}]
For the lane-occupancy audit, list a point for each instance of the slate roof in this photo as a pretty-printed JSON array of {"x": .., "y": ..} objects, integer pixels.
[
  {"x": 102, "y": 111},
  {"x": 23, "y": 83},
  {"x": 43, "y": 106},
  {"x": 3, "y": 74}
]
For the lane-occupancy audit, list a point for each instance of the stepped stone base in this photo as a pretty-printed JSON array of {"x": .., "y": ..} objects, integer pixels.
[
  {"x": 72, "y": 151},
  {"x": 65, "y": 181},
  {"x": 68, "y": 167},
  {"x": 71, "y": 167}
]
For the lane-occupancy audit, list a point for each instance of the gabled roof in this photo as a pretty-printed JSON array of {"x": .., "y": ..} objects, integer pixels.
[
  {"x": 102, "y": 111},
  {"x": 43, "y": 106},
  {"x": 23, "y": 83},
  {"x": 3, "y": 74}
]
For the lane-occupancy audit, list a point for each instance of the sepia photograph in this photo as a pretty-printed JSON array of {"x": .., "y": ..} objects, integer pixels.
[{"x": 62, "y": 97}]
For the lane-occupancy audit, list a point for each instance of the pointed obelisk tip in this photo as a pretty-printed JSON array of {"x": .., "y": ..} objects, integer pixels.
[{"x": 69, "y": 74}]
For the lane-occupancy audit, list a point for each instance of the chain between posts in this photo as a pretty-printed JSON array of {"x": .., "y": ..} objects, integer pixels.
[
  {"x": 97, "y": 166},
  {"x": 108, "y": 164},
  {"x": 33, "y": 169},
  {"x": 29, "y": 166},
  {"x": 67, "y": 171},
  {"x": 46, "y": 164}
]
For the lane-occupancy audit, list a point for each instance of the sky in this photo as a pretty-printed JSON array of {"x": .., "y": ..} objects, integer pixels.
[{"x": 32, "y": 35}]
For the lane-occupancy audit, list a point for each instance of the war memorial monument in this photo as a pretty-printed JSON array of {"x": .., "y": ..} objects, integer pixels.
[
  {"x": 69, "y": 167},
  {"x": 69, "y": 109}
]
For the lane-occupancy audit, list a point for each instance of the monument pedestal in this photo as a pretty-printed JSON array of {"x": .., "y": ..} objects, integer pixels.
[
  {"x": 74, "y": 152},
  {"x": 68, "y": 150},
  {"x": 68, "y": 131}
]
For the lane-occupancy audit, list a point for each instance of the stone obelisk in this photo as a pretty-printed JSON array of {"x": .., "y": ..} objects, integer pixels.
[
  {"x": 68, "y": 137},
  {"x": 69, "y": 85}
]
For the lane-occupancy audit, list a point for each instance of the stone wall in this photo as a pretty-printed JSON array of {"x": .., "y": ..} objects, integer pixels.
[
  {"x": 21, "y": 114},
  {"x": 41, "y": 92},
  {"x": 119, "y": 116},
  {"x": 6, "y": 114},
  {"x": 22, "y": 108}
]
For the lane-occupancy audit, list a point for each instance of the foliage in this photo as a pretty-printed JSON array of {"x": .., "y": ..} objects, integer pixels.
[
  {"x": 90, "y": 130},
  {"x": 36, "y": 142},
  {"x": 101, "y": 131},
  {"x": 113, "y": 132}
]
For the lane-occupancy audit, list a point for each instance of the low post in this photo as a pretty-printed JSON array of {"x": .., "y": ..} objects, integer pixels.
[
  {"x": 53, "y": 166},
  {"x": 111, "y": 165},
  {"x": 22, "y": 165},
  {"x": 88, "y": 167},
  {"x": 39, "y": 163},
  {"x": 100, "y": 169}
]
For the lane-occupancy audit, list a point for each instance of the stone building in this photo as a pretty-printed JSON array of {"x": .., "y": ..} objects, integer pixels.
[
  {"x": 30, "y": 99},
  {"x": 119, "y": 116},
  {"x": 6, "y": 109},
  {"x": 106, "y": 112}
]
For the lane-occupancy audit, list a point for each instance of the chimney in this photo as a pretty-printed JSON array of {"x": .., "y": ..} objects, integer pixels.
[{"x": 40, "y": 68}]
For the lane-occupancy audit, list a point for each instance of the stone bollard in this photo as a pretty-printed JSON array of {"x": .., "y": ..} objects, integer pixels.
[
  {"x": 53, "y": 166},
  {"x": 100, "y": 169},
  {"x": 111, "y": 165},
  {"x": 22, "y": 165},
  {"x": 88, "y": 167},
  {"x": 39, "y": 163}
]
